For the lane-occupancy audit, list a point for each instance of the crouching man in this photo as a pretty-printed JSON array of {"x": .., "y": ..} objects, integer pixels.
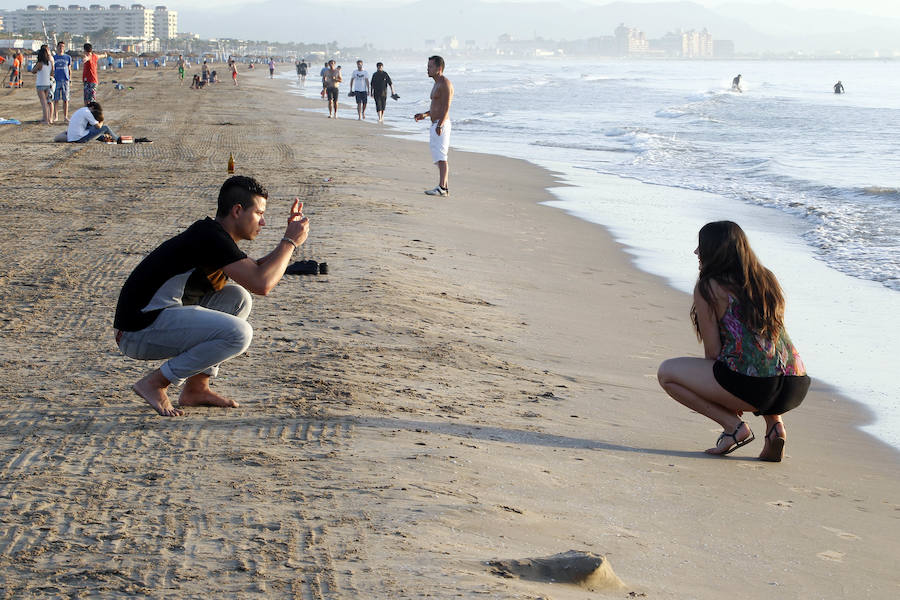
[{"x": 178, "y": 305}]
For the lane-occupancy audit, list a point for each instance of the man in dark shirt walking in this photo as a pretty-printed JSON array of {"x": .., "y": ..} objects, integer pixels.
[
  {"x": 381, "y": 81},
  {"x": 177, "y": 304}
]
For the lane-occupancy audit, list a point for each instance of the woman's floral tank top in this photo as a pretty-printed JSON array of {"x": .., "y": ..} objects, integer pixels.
[{"x": 748, "y": 353}]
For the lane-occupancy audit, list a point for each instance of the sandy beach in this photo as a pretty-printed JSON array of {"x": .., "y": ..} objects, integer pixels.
[{"x": 473, "y": 381}]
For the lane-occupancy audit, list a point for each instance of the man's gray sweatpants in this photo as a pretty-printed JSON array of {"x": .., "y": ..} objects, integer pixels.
[{"x": 196, "y": 338}]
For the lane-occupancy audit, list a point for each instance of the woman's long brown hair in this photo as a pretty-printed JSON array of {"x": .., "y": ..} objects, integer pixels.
[{"x": 726, "y": 257}]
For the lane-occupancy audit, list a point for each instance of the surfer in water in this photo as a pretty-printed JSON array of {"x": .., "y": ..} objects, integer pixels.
[
  {"x": 839, "y": 88},
  {"x": 736, "y": 84}
]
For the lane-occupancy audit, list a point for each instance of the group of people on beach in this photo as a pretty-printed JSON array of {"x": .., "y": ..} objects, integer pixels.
[
  {"x": 361, "y": 87},
  {"x": 53, "y": 75},
  {"x": 179, "y": 305}
]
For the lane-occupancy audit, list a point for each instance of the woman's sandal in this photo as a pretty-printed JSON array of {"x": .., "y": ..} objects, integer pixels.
[
  {"x": 736, "y": 444},
  {"x": 775, "y": 451}
]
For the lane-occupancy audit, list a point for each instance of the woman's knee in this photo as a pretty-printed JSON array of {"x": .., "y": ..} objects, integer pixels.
[{"x": 665, "y": 372}]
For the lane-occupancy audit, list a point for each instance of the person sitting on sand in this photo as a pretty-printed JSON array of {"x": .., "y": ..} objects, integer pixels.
[
  {"x": 750, "y": 363},
  {"x": 86, "y": 124},
  {"x": 177, "y": 304}
]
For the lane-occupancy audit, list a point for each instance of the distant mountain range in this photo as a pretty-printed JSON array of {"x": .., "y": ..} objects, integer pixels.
[{"x": 753, "y": 27}]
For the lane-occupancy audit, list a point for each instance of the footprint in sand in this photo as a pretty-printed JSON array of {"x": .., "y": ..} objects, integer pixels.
[
  {"x": 782, "y": 504},
  {"x": 832, "y": 555},
  {"x": 844, "y": 535}
]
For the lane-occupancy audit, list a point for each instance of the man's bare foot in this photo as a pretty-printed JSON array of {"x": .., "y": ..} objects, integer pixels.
[
  {"x": 152, "y": 388},
  {"x": 196, "y": 392}
]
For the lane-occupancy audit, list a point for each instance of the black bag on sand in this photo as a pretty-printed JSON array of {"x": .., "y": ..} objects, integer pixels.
[{"x": 303, "y": 267}]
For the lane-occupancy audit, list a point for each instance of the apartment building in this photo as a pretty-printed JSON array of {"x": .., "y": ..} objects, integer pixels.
[{"x": 134, "y": 21}]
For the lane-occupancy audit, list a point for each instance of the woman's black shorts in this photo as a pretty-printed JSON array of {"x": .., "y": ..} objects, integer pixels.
[{"x": 769, "y": 395}]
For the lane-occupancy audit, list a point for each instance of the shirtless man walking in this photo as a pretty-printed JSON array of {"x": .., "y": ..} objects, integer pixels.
[
  {"x": 441, "y": 97},
  {"x": 331, "y": 79}
]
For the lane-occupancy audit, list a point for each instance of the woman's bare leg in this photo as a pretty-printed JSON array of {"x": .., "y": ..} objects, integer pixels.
[{"x": 690, "y": 382}]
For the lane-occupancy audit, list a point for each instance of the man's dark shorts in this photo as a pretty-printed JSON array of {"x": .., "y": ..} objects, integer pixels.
[
  {"x": 380, "y": 101},
  {"x": 332, "y": 93},
  {"x": 361, "y": 97}
]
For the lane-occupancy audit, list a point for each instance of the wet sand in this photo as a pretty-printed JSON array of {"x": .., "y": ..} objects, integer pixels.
[{"x": 473, "y": 381}]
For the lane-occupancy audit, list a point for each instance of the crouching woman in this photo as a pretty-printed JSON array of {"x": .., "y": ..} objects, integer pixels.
[{"x": 750, "y": 364}]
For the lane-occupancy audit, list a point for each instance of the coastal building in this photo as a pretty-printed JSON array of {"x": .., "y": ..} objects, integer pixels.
[
  {"x": 685, "y": 44},
  {"x": 135, "y": 21},
  {"x": 696, "y": 44},
  {"x": 509, "y": 46},
  {"x": 631, "y": 41}
]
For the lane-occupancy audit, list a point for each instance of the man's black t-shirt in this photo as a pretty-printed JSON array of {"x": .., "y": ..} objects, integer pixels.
[
  {"x": 380, "y": 82},
  {"x": 179, "y": 272}
]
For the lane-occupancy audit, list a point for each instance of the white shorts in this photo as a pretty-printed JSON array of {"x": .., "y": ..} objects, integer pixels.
[{"x": 440, "y": 144}]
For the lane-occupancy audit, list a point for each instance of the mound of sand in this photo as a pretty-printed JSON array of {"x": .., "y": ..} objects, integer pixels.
[{"x": 585, "y": 569}]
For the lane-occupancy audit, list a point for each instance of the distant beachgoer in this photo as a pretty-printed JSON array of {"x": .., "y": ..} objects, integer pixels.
[
  {"x": 204, "y": 73},
  {"x": 736, "y": 84},
  {"x": 156, "y": 63},
  {"x": 271, "y": 68},
  {"x": 196, "y": 83},
  {"x": 44, "y": 70},
  {"x": 181, "y": 66},
  {"x": 89, "y": 73},
  {"x": 359, "y": 87},
  {"x": 177, "y": 304},
  {"x": 232, "y": 64},
  {"x": 9, "y": 71},
  {"x": 322, "y": 75},
  {"x": 441, "y": 97},
  {"x": 381, "y": 81},
  {"x": 15, "y": 70},
  {"x": 839, "y": 88},
  {"x": 62, "y": 72},
  {"x": 213, "y": 77},
  {"x": 750, "y": 363},
  {"x": 86, "y": 124},
  {"x": 332, "y": 80},
  {"x": 302, "y": 70}
]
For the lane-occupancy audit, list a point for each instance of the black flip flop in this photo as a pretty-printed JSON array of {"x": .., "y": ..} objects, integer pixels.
[{"x": 733, "y": 435}]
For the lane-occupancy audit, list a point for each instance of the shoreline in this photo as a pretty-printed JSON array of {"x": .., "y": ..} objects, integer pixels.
[
  {"x": 564, "y": 196},
  {"x": 473, "y": 381}
]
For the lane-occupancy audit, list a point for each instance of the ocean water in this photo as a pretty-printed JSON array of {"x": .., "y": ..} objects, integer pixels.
[{"x": 813, "y": 177}]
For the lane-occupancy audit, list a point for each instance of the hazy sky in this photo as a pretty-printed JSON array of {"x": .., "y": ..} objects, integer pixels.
[{"x": 887, "y": 8}]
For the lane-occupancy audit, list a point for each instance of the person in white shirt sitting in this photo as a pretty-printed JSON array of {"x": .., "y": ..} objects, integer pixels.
[{"x": 86, "y": 124}]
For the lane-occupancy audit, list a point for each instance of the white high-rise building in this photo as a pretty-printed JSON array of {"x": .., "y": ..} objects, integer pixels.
[{"x": 135, "y": 21}]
